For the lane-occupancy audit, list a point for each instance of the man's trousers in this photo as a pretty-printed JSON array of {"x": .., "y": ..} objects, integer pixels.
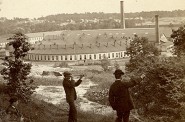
[
  {"x": 122, "y": 116},
  {"x": 72, "y": 112}
]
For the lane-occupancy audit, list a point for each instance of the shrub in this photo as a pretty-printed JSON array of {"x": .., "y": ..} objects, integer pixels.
[
  {"x": 161, "y": 93},
  {"x": 179, "y": 41},
  {"x": 105, "y": 63},
  {"x": 99, "y": 93}
]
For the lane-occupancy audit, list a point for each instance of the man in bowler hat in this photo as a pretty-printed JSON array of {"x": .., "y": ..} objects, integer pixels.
[
  {"x": 119, "y": 96},
  {"x": 69, "y": 86}
]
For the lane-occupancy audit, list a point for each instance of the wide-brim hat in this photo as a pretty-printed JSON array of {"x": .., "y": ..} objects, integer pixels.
[
  {"x": 66, "y": 73},
  {"x": 118, "y": 72}
]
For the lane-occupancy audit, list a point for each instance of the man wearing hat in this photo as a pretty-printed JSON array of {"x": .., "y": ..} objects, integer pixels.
[
  {"x": 119, "y": 96},
  {"x": 69, "y": 86}
]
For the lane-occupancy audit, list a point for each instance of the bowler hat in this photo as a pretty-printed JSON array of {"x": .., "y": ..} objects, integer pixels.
[
  {"x": 118, "y": 71},
  {"x": 66, "y": 73}
]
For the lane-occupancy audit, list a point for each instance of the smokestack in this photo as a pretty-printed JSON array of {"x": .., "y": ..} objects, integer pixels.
[
  {"x": 122, "y": 14},
  {"x": 157, "y": 28}
]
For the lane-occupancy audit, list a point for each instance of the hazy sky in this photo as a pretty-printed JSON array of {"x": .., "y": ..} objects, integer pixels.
[{"x": 38, "y": 8}]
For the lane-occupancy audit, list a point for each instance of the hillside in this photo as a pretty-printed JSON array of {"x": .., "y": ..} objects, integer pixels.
[{"x": 89, "y": 21}]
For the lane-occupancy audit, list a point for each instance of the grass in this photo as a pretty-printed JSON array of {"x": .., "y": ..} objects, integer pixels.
[
  {"x": 45, "y": 81},
  {"x": 40, "y": 111}
]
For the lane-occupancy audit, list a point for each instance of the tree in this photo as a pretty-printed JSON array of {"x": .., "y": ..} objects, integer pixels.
[
  {"x": 162, "y": 92},
  {"x": 179, "y": 41},
  {"x": 16, "y": 71},
  {"x": 140, "y": 50}
]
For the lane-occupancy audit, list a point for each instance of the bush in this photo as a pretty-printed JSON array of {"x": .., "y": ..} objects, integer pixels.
[
  {"x": 161, "y": 93},
  {"x": 105, "y": 63},
  {"x": 99, "y": 93}
]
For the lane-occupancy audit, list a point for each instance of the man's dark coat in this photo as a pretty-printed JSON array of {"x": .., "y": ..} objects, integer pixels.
[
  {"x": 69, "y": 87},
  {"x": 119, "y": 96}
]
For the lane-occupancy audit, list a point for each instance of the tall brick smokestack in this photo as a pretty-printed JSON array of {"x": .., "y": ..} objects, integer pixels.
[
  {"x": 122, "y": 14},
  {"x": 157, "y": 28}
]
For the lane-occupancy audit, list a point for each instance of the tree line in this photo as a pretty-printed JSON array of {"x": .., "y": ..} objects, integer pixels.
[{"x": 81, "y": 21}]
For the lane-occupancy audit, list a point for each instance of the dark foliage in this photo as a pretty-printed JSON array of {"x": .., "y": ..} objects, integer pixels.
[
  {"x": 161, "y": 93},
  {"x": 179, "y": 41},
  {"x": 16, "y": 71}
]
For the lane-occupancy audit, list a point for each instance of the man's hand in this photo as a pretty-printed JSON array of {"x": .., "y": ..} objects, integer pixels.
[{"x": 81, "y": 76}]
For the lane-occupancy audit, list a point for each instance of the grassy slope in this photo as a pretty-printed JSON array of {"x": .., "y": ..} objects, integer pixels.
[{"x": 40, "y": 111}]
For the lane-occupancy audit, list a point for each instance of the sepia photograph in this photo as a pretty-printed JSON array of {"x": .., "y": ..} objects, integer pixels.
[{"x": 92, "y": 61}]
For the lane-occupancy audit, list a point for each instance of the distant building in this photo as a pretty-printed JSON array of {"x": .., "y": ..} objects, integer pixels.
[
  {"x": 82, "y": 45},
  {"x": 85, "y": 45}
]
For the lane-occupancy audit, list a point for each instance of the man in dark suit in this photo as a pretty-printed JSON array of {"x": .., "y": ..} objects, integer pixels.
[
  {"x": 119, "y": 96},
  {"x": 69, "y": 86}
]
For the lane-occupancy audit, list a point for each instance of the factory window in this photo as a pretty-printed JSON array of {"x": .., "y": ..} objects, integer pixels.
[
  {"x": 117, "y": 55},
  {"x": 61, "y": 58},
  {"x": 90, "y": 57},
  {"x": 53, "y": 58},
  {"x": 45, "y": 57},
  {"x": 66, "y": 57},
  {"x": 104, "y": 56},
  {"x": 40, "y": 57},
  {"x": 94, "y": 56},
  {"x": 85, "y": 57},
  {"x": 75, "y": 57},
  {"x": 80, "y": 57},
  {"x": 48, "y": 57},
  {"x": 125, "y": 53},
  {"x": 108, "y": 55},
  {"x": 71, "y": 57},
  {"x": 57, "y": 57},
  {"x": 112, "y": 55},
  {"x": 121, "y": 54},
  {"x": 99, "y": 56}
]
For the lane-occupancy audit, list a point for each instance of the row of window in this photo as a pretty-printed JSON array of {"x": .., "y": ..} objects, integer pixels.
[
  {"x": 77, "y": 57},
  {"x": 36, "y": 38}
]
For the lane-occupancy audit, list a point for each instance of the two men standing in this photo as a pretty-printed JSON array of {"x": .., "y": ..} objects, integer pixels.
[
  {"x": 119, "y": 96},
  {"x": 69, "y": 85}
]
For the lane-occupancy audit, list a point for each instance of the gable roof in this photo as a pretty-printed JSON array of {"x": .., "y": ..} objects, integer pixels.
[{"x": 79, "y": 49}]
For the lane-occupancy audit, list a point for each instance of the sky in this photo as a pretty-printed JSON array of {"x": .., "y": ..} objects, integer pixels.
[{"x": 38, "y": 8}]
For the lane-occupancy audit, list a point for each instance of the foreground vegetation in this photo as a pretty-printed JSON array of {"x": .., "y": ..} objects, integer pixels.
[{"x": 40, "y": 111}]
